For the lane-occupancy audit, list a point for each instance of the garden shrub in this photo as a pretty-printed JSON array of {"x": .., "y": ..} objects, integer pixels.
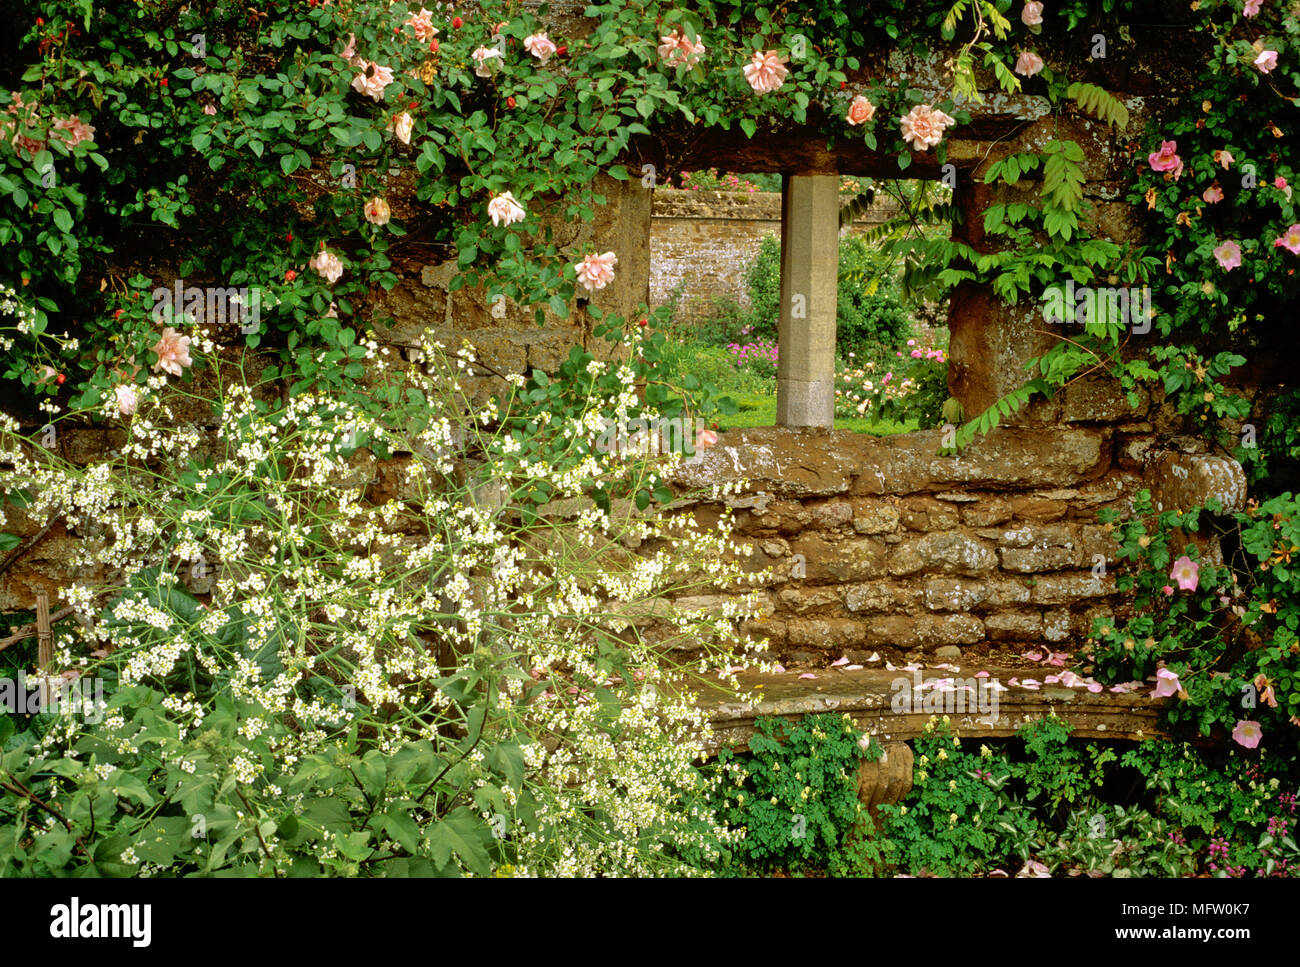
[
  {"x": 793, "y": 801},
  {"x": 299, "y": 682}
]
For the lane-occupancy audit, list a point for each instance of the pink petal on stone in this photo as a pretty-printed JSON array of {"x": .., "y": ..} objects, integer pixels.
[
  {"x": 1051, "y": 679},
  {"x": 1013, "y": 680},
  {"x": 838, "y": 662},
  {"x": 1119, "y": 689},
  {"x": 981, "y": 674},
  {"x": 1094, "y": 686},
  {"x": 780, "y": 669},
  {"x": 807, "y": 675},
  {"x": 1033, "y": 655},
  {"x": 853, "y": 668}
]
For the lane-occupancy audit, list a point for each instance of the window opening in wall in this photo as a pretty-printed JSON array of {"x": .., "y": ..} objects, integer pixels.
[{"x": 716, "y": 261}]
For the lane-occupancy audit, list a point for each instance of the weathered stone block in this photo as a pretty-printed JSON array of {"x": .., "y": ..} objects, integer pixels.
[
  {"x": 951, "y": 594},
  {"x": 924, "y": 631},
  {"x": 987, "y": 512},
  {"x": 951, "y": 552},
  {"x": 1180, "y": 481},
  {"x": 1030, "y": 560},
  {"x": 854, "y": 559},
  {"x": 875, "y": 517},
  {"x": 927, "y": 514},
  {"x": 1069, "y": 588},
  {"x": 1014, "y": 627},
  {"x": 868, "y": 597}
]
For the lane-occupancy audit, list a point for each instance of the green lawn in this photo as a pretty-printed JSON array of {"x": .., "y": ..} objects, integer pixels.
[
  {"x": 760, "y": 410},
  {"x": 755, "y": 393}
]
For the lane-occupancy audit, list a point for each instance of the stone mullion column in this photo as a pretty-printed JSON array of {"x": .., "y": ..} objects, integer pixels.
[{"x": 810, "y": 240}]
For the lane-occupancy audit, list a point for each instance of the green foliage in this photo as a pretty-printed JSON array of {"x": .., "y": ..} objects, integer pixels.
[
  {"x": 961, "y": 817},
  {"x": 1121, "y": 842},
  {"x": 795, "y": 797},
  {"x": 1232, "y": 638},
  {"x": 1054, "y": 769}
]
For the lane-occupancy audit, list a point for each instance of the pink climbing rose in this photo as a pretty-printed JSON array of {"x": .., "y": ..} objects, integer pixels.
[
  {"x": 1251, "y": 7},
  {"x": 540, "y": 46},
  {"x": 485, "y": 59},
  {"x": 676, "y": 49},
  {"x": 1224, "y": 158},
  {"x": 1213, "y": 194},
  {"x": 860, "y": 111},
  {"x": 1265, "y": 689},
  {"x": 1167, "y": 590},
  {"x": 173, "y": 351},
  {"x": 209, "y": 109},
  {"x": 705, "y": 439},
  {"x": 923, "y": 126},
  {"x": 1266, "y": 60},
  {"x": 596, "y": 271},
  {"x": 1290, "y": 240},
  {"x": 1166, "y": 159},
  {"x": 377, "y": 211},
  {"x": 127, "y": 401},
  {"x": 422, "y": 24},
  {"x": 327, "y": 265},
  {"x": 77, "y": 128},
  {"x": 400, "y": 125},
  {"x": 1167, "y": 684},
  {"x": 504, "y": 210},
  {"x": 1032, "y": 15},
  {"x": 372, "y": 80},
  {"x": 1247, "y": 734},
  {"x": 1028, "y": 64},
  {"x": 1186, "y": 573},
  {"x": 1228, "y": 255},
  {"x": 767, "y": 71}
]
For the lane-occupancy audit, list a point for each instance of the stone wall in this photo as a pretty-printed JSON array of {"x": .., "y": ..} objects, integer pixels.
[
  {"x": 704, "y": 241},
  {"x": 881, "y": 543}
]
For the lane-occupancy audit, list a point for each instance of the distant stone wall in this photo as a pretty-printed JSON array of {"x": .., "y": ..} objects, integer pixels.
[{"x": 706, "y": 239}]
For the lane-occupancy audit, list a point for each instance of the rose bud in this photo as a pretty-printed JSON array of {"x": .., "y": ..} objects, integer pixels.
[
  {"x": 290, "y": 275},
  {"x": 510, "y": 102},
  {"x": 457, "y": 22},
  {"x": 60, "y": 378}
]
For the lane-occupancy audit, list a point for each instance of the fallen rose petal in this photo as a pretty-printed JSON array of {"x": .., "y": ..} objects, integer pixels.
[
  {"x": 1033, "y": 655},
  {"x": 807, "y": 675},
  {"x": 981, "y": 674},
  {"x": 838, "y": 662},
  {"x": 853, "y": 668}
]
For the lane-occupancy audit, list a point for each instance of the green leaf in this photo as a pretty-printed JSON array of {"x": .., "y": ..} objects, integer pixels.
[{"x": 749, "y": 126}]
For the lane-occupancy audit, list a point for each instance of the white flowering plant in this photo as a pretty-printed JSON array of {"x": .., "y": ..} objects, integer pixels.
[{"x": 318, "y": 663}]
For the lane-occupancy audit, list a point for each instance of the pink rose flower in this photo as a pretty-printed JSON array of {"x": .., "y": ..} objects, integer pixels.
[
  {"x": 1213, "y": 194},
  {"x": 860, "y": 111},
  {"x": 705, "y": 439},
  {"x": 1266, "y": 60},
  {"x": 1265, "y": 688},
  {"x": 173, "y": 351},
  {"x": 1186, "y": 573},
  {"x": 676, "y": 49},
  {"x": 209, "y": 109},
  {"x": 127, "y": 401},
  {"x": 596, "y": 271},
  {"x": 923, "y": 126},
  {"x": 1032, "y": 15},
  {"x": 1223, "y": 158},
  {"x": 422, "y": 24},
  {"x": 1247, "y": 734},
  {"x": 1167, "y": 684},
  {"x": 79, "y": 130},
  {"x": 1251, "y": 7},
  {"x": 1167, "y": 591},
  {"x": 372, "y": 80},
  {"x": 767, "y": 71},
  {"x": 485, "y": 59},
  {"x": 1166, "y": 159},
  {"x": 540, "y": 46},
  {"x": 1228, "y": 255},
  {"x": 400, "y": 125},
  {"x": 504, "y": 210},
  {"x": 350, "y": 52},
  {"x": 1290, "y": 240},
  {"x": 377, "y": 211},
  {"x": 327, "y": 265},
  {"x": 1028, "y": 64}
]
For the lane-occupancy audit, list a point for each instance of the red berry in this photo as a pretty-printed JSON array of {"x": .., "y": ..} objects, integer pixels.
[
  {"x": 290, "y": 275},
  {"x": 842, "y": 85},
  {"x": 60, "y": 378},
  {"x": 411, "y": 106},
  {"x": 510, "y": 102},
  {"x": 561, "y": 51},
  {"x": 644, "y": 322},
  {"x": 457, "y": 22},
  {"x": 40, "y": 21},
  {"x": 289, "y": 237}
]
